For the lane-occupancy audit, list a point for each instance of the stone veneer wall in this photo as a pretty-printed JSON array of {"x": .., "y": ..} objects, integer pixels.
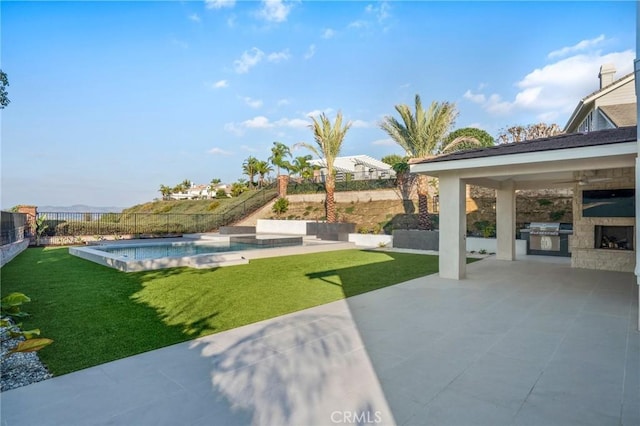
[{"x": 584, "y": 255}]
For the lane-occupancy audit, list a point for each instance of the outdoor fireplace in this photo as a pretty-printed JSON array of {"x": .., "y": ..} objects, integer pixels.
[{"x": 614, "y": 237}]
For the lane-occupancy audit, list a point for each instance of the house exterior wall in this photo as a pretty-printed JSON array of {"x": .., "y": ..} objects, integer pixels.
[
  {"x": 625, "y": 94},
  {"x": 583, "y": 253}
]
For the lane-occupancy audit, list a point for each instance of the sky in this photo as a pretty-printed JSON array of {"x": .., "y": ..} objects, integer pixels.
[{"x": 110, "y": 100}]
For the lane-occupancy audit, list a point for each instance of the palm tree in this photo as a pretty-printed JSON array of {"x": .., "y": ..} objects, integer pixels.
[
  {"x": 422, "y": 135},
  {"x": 165, "y": 191},
  {"x": 262, "y": 168},
  {"x": 249, "y": 168},
  {"x": 279, "y": 154},
  {"x": 302, "y": 167},
  {"x": 329, "y": 139}
]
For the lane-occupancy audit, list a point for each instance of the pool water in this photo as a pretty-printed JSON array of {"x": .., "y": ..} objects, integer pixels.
[{"x": 157, "y": 251}]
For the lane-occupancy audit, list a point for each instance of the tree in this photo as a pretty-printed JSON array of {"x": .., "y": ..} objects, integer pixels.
[
  {"x": 263, "y": 168},
  {"x": 302, "y": 167},
  {"x": 238, "y": 187},
  {"x": 279, "y": 154},
  {"x": 483, "y": 138},
  {"x": 423, "y": 135},
  {"x": 521, "y": 133},
  {"x": 328, "y": 139},
  {"x": 165, "y": 191},
  {"x": 405, "y": 183},
  {"x": 392, "y": 159},
  {"x": 249, "y": 168},
  {"x": 4, "y": 96}
]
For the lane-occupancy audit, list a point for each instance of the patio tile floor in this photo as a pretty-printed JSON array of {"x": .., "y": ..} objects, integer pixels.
[{"x": 530, "y": 342}]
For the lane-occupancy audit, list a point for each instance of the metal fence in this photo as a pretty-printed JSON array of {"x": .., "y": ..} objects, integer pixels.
[
  {"x": 95, "y": 224},
  {"x": 310, "y": 186},
  {"x": 13, "y": 227}
]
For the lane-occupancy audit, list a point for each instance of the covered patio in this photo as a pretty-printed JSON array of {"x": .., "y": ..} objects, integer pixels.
[{"x": 601, "y": 160}]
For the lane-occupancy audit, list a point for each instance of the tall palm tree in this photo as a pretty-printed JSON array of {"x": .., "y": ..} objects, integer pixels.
[
  {"x": 328, "y": 139},
  {"x": 302, "y": 167},
  {"x": 279, "y": 154},
  {"x": 262, "y": 168},
  {"x": 422, "y": 135},
  {"x": 249, "y": 168}
]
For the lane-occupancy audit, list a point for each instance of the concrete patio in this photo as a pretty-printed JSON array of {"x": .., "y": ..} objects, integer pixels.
[{"x": 528, "y": 342}]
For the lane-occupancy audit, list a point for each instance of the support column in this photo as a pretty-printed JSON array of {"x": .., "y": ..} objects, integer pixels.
[
  {"x": 453, "y": 228},
  {"x": 506, "y": 221}
]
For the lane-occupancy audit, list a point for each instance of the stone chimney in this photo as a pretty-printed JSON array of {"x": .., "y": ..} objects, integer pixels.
[{"x": 607, "y": 75}]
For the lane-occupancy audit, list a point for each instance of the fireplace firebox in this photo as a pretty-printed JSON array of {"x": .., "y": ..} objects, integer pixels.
[{"x": 614, "y": 237}]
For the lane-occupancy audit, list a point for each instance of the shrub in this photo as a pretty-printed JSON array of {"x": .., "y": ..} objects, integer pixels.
[
  {"x": 213, "y": 205},
  {"x": 280, "y": 206}
]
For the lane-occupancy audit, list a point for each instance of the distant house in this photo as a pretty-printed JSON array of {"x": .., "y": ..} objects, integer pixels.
[
  {"x": 199, "y": 192},
  {"x": 355, "y": 167},
  {"x": 610, "y": 107}
]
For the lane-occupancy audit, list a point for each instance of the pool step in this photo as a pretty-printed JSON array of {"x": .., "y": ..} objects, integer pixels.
[{"x": 217, "y": 261}]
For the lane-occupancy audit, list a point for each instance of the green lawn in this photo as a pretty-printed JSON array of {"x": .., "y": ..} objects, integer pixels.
[{"x": 96, "y": 314}]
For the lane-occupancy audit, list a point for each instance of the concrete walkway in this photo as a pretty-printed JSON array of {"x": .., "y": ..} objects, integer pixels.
[{"x": 530, "y": 342}]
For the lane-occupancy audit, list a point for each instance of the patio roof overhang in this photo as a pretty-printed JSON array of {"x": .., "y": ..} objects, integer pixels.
[{"x": 533, "y": 170}]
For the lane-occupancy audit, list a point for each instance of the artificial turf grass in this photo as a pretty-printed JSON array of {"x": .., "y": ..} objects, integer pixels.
[{"x": 97, "y": 314}]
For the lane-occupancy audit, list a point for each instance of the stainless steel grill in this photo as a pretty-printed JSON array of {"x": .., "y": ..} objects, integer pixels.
[{"x": 544, "y": 228}]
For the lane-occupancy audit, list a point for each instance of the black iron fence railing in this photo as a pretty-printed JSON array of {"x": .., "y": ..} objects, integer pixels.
[
  {"x": 95, "y": 224},
  {"x": 13, "y": 227},
  {"x": 309, "y": 186}
]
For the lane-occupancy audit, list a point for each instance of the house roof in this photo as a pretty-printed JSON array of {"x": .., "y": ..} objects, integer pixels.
[
  {"x": 348, "y": 164},
  {"x": 585, "y": 103},
  {"x": 565, "y": 141},
  {"x": 621, "y": 115}
]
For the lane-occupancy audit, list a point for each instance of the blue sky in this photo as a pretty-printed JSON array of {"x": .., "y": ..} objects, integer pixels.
[{"x": 109, "y": 100}]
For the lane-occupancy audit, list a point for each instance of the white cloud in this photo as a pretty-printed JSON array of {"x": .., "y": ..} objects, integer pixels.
[
  {"x": 259, "y": 122},
  {"x": 219, "y": 151},
  {"x": 296, "y": 123},
  {"x": 358, "y": 24},
  {"x": 405, "y": 86},
  {"x": 234, "y": 129},
  {"x": 381, "y": 11},
  {"x": 383, "y": 142},
  {"x": 253, "y": 103},
  {"x": 194, "y": 17},
  {"x": 360, "y": 124},
  {"x": 580, "y": 46},
  {"x": 476, "y": 98},
  {"x": 555, "y": 89},
  {"x": 317, "y": 112},
  {"x": 219, "y": 4},
  {"x": 248, "y": 148},
  {"x": 221, "y": 84},
  {"x": 283, "y": 102},
  {"x": 328, "y": 33},
  {"x": 248, "y": 60},
  {"x": 279, "y": 56},
  {"x": 310, "y": 52},
  {"x": 274, "y": 10}
]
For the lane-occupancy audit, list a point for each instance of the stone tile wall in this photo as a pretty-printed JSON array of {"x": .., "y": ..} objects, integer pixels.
[{"x": 584, "y": 255}]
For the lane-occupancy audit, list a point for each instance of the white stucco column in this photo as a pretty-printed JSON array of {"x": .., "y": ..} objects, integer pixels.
[
  {"x": 453, "y": 227},
  {"x": 506, "y": 221}
]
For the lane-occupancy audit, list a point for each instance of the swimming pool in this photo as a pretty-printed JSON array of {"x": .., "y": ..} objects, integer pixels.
[
  {"x": 213, "y": 252},
  {"x": 157, "y": 251}
]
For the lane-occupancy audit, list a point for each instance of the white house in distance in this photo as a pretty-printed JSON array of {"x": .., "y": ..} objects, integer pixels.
[
  {"x": 355, "y": 167},
  {"x": 612, "y": 105},
  {"x": 199, "y": 192}
]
